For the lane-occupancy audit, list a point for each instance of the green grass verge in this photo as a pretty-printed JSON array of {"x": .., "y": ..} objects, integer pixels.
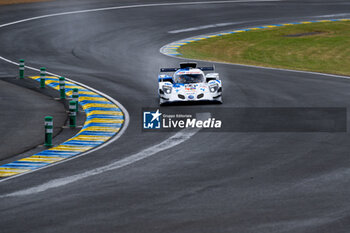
[
  {"x": 320, "y": 47},
  {"x": 9, "y": 2}
]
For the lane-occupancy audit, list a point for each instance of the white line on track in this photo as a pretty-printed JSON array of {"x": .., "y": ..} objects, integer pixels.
[
  {"x": 241, "y": 22},
  {"x": 333, "y": 15},
  {"x": 204, "y": 27},
  {"x": 132, "y": 6},
  {"x": 174, "y": 140}
]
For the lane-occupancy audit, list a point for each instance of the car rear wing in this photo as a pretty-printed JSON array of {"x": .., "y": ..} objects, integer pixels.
[{"x": 188, "y": 65}]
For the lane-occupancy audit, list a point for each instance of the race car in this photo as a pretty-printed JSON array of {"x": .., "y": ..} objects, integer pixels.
[{"x": 189, "y": 83}]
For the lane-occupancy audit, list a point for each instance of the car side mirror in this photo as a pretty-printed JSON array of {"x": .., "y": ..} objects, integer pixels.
[
  {"x": 165, "y": 78},
  {"x": 212, "y": 76}
]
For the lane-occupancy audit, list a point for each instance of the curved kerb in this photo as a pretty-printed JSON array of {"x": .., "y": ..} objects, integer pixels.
[{"x": 104, "y": 119}]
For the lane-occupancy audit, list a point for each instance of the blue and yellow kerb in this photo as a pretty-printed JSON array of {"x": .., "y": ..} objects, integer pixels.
[
  {"x": 104, "y": 119},
  {"x": 172, "y": 48}
]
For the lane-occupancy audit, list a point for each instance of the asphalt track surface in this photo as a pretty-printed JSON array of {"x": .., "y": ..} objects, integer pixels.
[
  {"x": 212, "y": 182},
  {"x": 23, "y": 108}
]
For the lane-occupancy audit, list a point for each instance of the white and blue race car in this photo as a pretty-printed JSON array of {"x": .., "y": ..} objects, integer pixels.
[{"x": 189, "y": 83}]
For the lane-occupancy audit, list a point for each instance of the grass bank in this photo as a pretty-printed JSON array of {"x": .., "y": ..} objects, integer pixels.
[
  {"x": 8, "y": 2},
  {"x": 320, "y": 47}
]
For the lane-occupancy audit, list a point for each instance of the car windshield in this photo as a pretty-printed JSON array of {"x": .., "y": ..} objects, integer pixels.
[{"x": 189, "y": 78}]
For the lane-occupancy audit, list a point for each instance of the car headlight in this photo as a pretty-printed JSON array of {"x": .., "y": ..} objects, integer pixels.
[
  {"x": 213, "y": 87},
  {"x": 167, "y": 89}
]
